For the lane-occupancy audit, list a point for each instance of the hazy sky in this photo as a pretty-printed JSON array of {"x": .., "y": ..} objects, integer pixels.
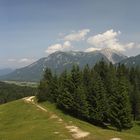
[{"x": 31, "y": 29}]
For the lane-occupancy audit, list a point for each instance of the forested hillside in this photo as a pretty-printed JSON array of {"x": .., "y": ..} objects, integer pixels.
[
  {"x": 10, "y": 92},
  {"x": 101, "y": 95}
]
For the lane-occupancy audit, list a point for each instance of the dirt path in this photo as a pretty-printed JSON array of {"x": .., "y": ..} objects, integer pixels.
[
  {"x": 31, "y": 100},
  {"x": 75, "y": 131}
]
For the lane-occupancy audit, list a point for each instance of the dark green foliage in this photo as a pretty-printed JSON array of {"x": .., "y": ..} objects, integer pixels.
[
  {"x": 135, "y": 92},
  {"x": 66, "y": 88},
  {"x": 80, "y": 103},
  {"x": 86, "y": 76},
  {"x": 102, "y": 69},
  {"x": 135, "y": 100},
  {"x": 10, "y": 92},
  {"x": 120, "y": 107},
  {"x": 48, "y": 88},
  {"x": 97, "y": 100},
  {"x": 76, "y": 76},
  {"x": 104, "y": 94},
  {"x": 65, "y": 100},
  {"x": 42, "y": 91}
]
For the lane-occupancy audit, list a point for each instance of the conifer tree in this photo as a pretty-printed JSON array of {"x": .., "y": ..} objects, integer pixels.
[
  {"x": 47, "y": 75},
  {"x": 80, "y": 103},
  {"x": 42, "y": 91},
  {"x": 65, "y": 99},
  {"x": 86, "y": 76},
  {"x": 102, "y": 69},
  {"x": 97, "y": 100},
  {"x": 120, "y": 108},
  {"x": 76, "y": 76},
  {"x": 54, "y": 88},
  {"x": 135, "y": 98},
  {"x": 45, "y": 88}
]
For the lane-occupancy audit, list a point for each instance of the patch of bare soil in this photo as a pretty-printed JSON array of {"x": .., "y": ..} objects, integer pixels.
[{"x": 77, "y": 133}]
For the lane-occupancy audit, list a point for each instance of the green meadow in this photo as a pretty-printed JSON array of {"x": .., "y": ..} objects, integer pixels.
[{"x": 21, "y": 120}]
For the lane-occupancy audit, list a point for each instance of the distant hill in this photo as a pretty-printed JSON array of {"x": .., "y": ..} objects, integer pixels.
[
  {"x": 5, "y": 71},
  {"x": 131, "y": 61},
  {"x": 59, "y": 61}
]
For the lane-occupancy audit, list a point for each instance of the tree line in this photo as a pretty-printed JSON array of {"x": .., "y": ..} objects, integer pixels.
[
  {"x": 10, "y": 92},
  {"x": 104, "y": 94}
]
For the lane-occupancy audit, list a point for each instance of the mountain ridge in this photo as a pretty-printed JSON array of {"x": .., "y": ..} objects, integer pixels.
[
  {"x": 59, "y": 61},
  {"x": 131, "y": 61}
]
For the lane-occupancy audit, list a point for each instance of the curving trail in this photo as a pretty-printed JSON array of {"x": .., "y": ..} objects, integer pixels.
[
  {"x": 31, "y": 100},
  {"x": 75, "y": 131}
]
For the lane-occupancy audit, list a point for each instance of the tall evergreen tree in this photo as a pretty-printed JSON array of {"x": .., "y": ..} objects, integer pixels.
[
  {"x": 86, "y": 76},
  {"x": 102, "y": 69},
  {"x": 135, "y": 99},
  {"x": 45, "y": 88},
  {"x": 120, "y": 110},
  {"x": 111, "y": 88},
  {"x": 97, "y": 100},
  {"x": 76, "y": 76},
  {"x": 80, "y": 103},
  {"x": 42, "y": 91},
  {"x": 65, "y": 99},
  {"x": 47, "y": 75},
  {"x": 54, "y": 88}
]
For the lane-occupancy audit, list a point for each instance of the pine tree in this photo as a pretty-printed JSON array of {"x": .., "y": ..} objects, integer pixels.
[
  {"x": 111, "y": 88},
  {"x": 120, "y": 108},
  {"x": 135, "y": 98},
  {"x": 134, "y": 77},
  {"x": 47, "y": 75},
  {"x": 43, "y": 90},
  {"x": 86, "y": 76},
  {"x": 76, "y": 76},
  {"x": 102, "y": 69},
  {"x": 80, "y": 103},
  {"x": 97, "y": 100},
  {"x": 65, "y": 99},
  {"x": 45, "y": 87},
  {"x": 54, "y": 88}
]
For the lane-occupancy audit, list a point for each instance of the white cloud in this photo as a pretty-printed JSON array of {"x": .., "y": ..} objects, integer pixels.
[
  {"x": 24, "y": 60},
  {"x": 20, "y": 62},
  {"x": 59, "y": 47},
  {"x": 67, "y": 44},
  {"x": 130, "y": 45},
  {"x": 92, "y": 49},
  {"x": 108, "y": 39},
  {"x": 77, "y": 36}
]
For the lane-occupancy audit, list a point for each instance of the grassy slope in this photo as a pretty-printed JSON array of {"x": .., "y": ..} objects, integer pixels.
[{"x": 20, "y": 120}]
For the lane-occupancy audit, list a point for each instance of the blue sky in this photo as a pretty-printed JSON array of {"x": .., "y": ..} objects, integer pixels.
[{"x": 31, "y": 29}]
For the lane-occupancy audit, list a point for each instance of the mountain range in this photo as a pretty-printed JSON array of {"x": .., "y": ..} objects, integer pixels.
[
  {"x": 59, "y": 61},
  {"x": 5, "y": 71},
  {"x": 133, "y": 61}
]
